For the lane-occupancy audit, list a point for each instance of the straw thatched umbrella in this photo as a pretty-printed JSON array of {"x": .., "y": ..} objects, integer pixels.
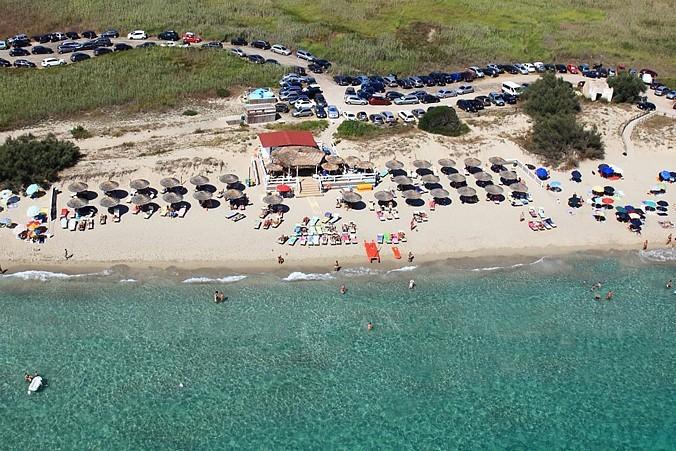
[
  {"x": 467, "y": 191},
  {"x": 351, "y": 197},
  {"x": 351, "y": 160},
  {"x": 228, "y": 179},
  {"x": 140, "y": 199},
  {"x": 394, "y": 165},
  {"x": 273, "y": 199},
  {"x": 274, "y": 167},
  {"x": 199, "y": 180},
  {"x": 497, "y": 161},
  {"x": 439, "y": 193},
  {"x": 422, "y": 164},
  {"x": 411, "y": 194},
  {"x": 456, "y": 178},
  {"x": 482, "y": 176},
  {"x": 233, "y": 194},
  {"x": 447, "y": 163},
  {"x": 138, "y": 184},
  {"x": 364, "y": 165},
  {"x": 519, "y": 187},
  {"x": 77, "y": 202},
  {"x": 508, "y": 175},
  {"x": 402, "y": 180},
  {"x": 494, "y": 190},
  {"x": 330, "y": 167},
  {"x": 202, "y": 195},
  {"x": 77, "y": 187},
  {"x": 472, "y": 162},
  {"x": 172, "y": 198},
  {"x": 334, "y": 159},
  {"x": 108, "y": 186},
  {"x": 383, "y": 196},
  {"x": 170, "y": 182},
  {"x": 429, "y": 178},
  {"x": 109, "y": 202}
]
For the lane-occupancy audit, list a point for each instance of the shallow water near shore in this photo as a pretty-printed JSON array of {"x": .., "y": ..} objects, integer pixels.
[{"x": 485, "y": 356}]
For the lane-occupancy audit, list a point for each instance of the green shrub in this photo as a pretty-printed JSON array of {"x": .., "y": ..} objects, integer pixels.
[
  {"x": 190, "y": 113},
  {"x": 26, "y": 159},
  {"x": 550, "y": 95},
  {"x": 80, "y": 132},
  {"x": 223, "y": 92},
  {"x": 357, "y": 130},
  {"x": 315, "y": 126},
  {"x": 560, "y": 139},
  {"x": 626, "y": 87},
  {"x": 442, "y": 120}
]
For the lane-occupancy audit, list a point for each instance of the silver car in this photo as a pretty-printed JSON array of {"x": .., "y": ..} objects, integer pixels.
[
  {"x": 465, "y": 89},
  {"x": 444, "y": 93},
  {"x": 406, "y": 100}
]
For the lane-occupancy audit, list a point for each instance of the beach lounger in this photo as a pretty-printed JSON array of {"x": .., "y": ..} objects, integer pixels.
[
  {"x": 334, "y": 219},
  {"x": 532, "y": 226},
  {"x": 389, "y": 216},
  {"x": 230, "y": 214},
  {"x": 395, "y": 238},
  {"x": 149, "y": 213},
  {"x": 103, "y": 219},
  {"x": 91, "y": 224},
  {"x": 116, "y": 216},
  {"x": 547, "y": 226},
  {"x": 550, "y": 222},
  {"x": 541, "y": 213},
  {"x": 313, "y": 221},
  {"x": 402, "y": 236},
  {"x": 239, "y": 217},
  {"x": 64, "y": 223},
  {"x": 371, "y": 251},
  {"x": 136, "y": 210},
  {"x": 303, "y": 241},
  {"x": 380, "y": 238},
  {"x": 372, "y": 206},
  {"x": 315, "y": 240},
  {"x": 381, "y": 215},
  {"x": 82, "y": 225},
  {"x": 257, "y": 226},
  {"x": 64, "y": 213},
  {"x": 395, "y": 213},
  {"x": 388, "y": 238},
  {"x": 324, "y": 240},
  {"x": 182, "y": 211},
  {"x": 532, "y": 212},
  {"x": 353, "y": 239},
  {"x": 396, "y": 252},
  {"x": 292, "y": 240},
  {"x": 345, "y": 237}
]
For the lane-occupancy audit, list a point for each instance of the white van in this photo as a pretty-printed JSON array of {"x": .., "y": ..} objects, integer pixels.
[{"x": 512, "y": 88}]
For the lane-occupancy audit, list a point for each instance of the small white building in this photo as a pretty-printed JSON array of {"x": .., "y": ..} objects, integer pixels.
[{"x": 597, "y": 90}]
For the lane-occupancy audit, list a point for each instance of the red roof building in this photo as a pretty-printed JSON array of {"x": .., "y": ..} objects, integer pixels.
[{"x": 287, "y": 138}]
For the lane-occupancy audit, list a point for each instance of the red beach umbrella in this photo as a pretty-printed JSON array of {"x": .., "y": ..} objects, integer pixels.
[{"x": 283, "y": 188}]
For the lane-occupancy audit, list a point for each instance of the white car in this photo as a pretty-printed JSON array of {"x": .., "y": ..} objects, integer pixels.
[
  {"x": 539, "y": 66},
  {"x": 239, "y": 52},
  {"x": 477, "y": 71},
  {"x": 354, "y": 100},
  {"x": 168, "y": 44},
  {"x": 444, "y": 93},
  {"x": 280, "y": 50},
  {"x": 349, "y": 116},
  {"x": 523, "y": 70},
  {"x": 529, "y": 67},
  {"x": 137, "y": 35},
  {"x": 406, "y": 116},
  {"x": 51, "y": 62},
  {"x": 304, "y": 104}
]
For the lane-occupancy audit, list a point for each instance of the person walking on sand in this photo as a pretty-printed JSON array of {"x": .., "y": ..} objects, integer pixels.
[
  {"x": 280, "y": 259},
  {"x": 2, "y": 271},
  {"x": 410, "y": 257},
  {"x": 336, "y": 266},
  {"x": 67, "y": 255},
  {"x": 645, "y": 245},
  {"x": 669, "y": 240}
]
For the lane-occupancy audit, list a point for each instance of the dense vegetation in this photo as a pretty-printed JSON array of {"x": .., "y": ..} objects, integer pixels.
[
  {"x": 141, "y": 80},
  {"x": 626, "y": 87},
  {"x": 314, "y": 126},
  {"x": 442, "y": 120},
  {"x": 557, "y": 137},
  {"x": 26, "y": 159},
  {"x": 357, "y": 130},
  {"x": 392, "y": 35}
]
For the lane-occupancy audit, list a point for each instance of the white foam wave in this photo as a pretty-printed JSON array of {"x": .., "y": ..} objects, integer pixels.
[
  {"x": 128, "y": 281},
  {"x": 658, "y": 255},
  {"x": 295, "y": 276},
  {"x": 517, "y": 265},
  {"x": 403, "y": 269},
  {"x": 44, "y": 276},
  {"x": 226, "y": 279},
  {"x": 359, "y": 271}
]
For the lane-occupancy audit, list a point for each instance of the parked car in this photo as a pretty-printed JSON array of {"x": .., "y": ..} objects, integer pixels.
[
  {"x": 418, "y": 112},
  {"x": 406, "y": 116},
  {"x": 110, "y": 34},
  {"x": 485, "y": 100},
  {"x": 333, "y": 112},
  {"x": 305, "y": 55},
  {"x": 149, "y": 44},
  {"x": 72, "y": 35},
  {"x": 280, "y": 50},
  {"x": 257, "y": 59},
  {"x": 429, "y": 98},
  {"x": 303, "y": 103},
  {"x": 362, "y": 116},
  {"x": 349, "y": 116},
  {"x": 407, "y": 100},
  {"x": 320, "y": 112},
  {"x": 343, "y": 80},
  {"x": 168, "y": 35},
  {"x": 648, "y": 71},
  {"x": 445, "y": 93},
  {"x": 305, "y": 112},
  {"x": 315, "y": 68},
  {"x": 646, "y": 106},
  {"x": 41, "y": 38},
  {"x": 379, "y": 100},
  {"x": 662, "y": 91},
  {"x": 561, "y": 68},
  {"x": 590, "y": 74},
  {"x": 89, "y": 34},
  {"x": 77, "y": 57},
  {"x": 320, "y": 100},
  {"x": 51, "y": 62},
  {"x": 121, "y": 47},
  {"x": 393, "y": 95},
  {"x": 103, "y": 42},
  {"x": 19, "y": 51},
  {"x": 23, "y": 63},
  {"x": 239, "y": 52},
  {"x": 282, "y": 107},
  {"x": 261, "y": 44},
  {"x": 58, "y": 36},
  {"x": 510, "y": 99},
  {"x": 496, "y": 98},
  {"x": 67, "y": 47},
  {"x": 102, "y": 51},
  {"x": 671, "y": 95},
  {"x": 355, "y": 100},
  {"x": 466, "y": 105},
  {"x": 523, "y": 69},
  {"x": 377, "y": 118},
  {"x": 238, "y": 41},
  {"x": 464, "y": 89},
  {"x": 389, "y": 117},
  {"x": 4, "y": 45},
  {"x": 191, "y": 38},
  {"x": 539, "y": 66},
  {"x": 19, "y": 40},
  {"x": 212, "y": 45},
  {"x": 490, "y": 71},
  {"x": 137, "y": 35},
  {"x": 477, "y": 72}
]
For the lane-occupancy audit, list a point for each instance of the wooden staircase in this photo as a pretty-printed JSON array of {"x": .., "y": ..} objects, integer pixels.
[{"x": 309, "y": 187}]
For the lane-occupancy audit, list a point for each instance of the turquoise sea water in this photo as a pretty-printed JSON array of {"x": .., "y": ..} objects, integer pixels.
[{"x": 511, "y": 358}]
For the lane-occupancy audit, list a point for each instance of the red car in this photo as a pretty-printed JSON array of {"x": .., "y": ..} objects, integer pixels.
[
  {"x": 191, "y": 38},
  {"x": 572, "y": 69},
  {"x": 377, "y": 100}
]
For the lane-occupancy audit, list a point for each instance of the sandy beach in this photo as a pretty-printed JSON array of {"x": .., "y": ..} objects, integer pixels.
[{"x": 172, "y": 145}]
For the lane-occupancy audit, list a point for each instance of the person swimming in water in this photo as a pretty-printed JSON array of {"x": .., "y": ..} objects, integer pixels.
[
  {"x": 597, "y": 297},
  {"x": 343, "y": 289},
  {"x": 669, "y": 284},
  {"x": 610, "y": 295},
  {"x": 27, "y": 377},
  {"x": 411, "y": 284},
  {"x": 369, "y": 326}
]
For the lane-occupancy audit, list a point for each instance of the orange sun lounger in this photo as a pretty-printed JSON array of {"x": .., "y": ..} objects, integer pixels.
[
  {"x": 372, "y": 251},
  {"x": 395, "y": 251}
]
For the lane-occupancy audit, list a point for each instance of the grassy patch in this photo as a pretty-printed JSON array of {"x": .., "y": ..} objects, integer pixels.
[
  {"x": 360, "y": 131},
  {"x": 657, "y": 122},
  {"x": 157, "y": 78},
  {"x": 80, "y": 132},
  {"x": 315, "y": 126}
]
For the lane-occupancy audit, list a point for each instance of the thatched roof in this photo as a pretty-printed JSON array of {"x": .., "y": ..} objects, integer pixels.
[{"x": 298, "y": 157}]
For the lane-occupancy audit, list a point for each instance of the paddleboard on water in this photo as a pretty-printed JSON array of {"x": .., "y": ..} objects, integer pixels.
[{"x": 35, "y": 385}]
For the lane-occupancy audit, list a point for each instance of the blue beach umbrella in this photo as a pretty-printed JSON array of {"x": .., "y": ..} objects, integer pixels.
[
  {"x": 650, "y": 203},
  {"x": 621, "y": 209},
  {"x": 5, "y": 221},
  {"x": 576, "y": 176},
  {"x": 665, "y": 175},
  {"x": 542, "y": 173},
  {"x": 606, "y": 171},
  {"x": 555, "y": 184},
  {"x": 32, "y": 189},
  {"x": 33, "y": 211}
]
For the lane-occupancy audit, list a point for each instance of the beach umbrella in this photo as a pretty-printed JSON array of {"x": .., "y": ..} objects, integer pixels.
[
  {"x": 508, "y": 175},
  {"x": 274, "y": 167},
  {"x": 172, "y": 198},
  {"x": 330, "y": 167},
  {"x": 109, "y": 202},
  {"x": 429, "y": 178},
  {"x": 607, "y": 201},
  {"x": 351, "y": 160},
  {"x": 140, "y": 199},
  {"x": 394, "y": 165},
  {"x": 662, "y": 203},
  {"x": 411, "y": 194},
  {"x": 32, "y": 189},
  {"x": 202, "y": 195},
  {"x": 608, "y": 190},
  {"x": 472, "y": 162},
  {"x": 199, "y": 180},
  {"x": 5, "y": 221},
  {"x": 283, "y": 188},
  {"x": 439, "y": 193},
  {"x": 170, "y": 182},
  {"x": 576, "y": 176},
  {"x": 6, "y": 194},
  {"x": 633, "y": 215},
  {"x": 383, "y": 196},
  {"x": 363, "y": 165},
  {"x": 456, "y": 178},
  {"x": 542, "y": 173},
  {"x": 139, "y": 184},
  {"x": 555, "y": 185},
  {"x": 519, "y": 187},
  {"x": 466, "y": 191},
  {"x": 482, "y": 176},
  {"x": 497, "y": 161},
  {"x": 665, "y": 175},
  {"x": 334, "y": 159},
  {"x": 650, "y": 203},
  {"x": 233, "y": 194},
  {"x": 402, "y": 180},
  {"x": 228, "y": 179},
  {"x": 273, "y": 199},
  {"x": 421, "y": 164},
  {"x": 447, "y": 163},
  {"x": 597, "y": 189},
  {"x": 77, "y": 202},
  {"x": 77, "y": 187},
  {"x": 494, "y": 190},
  {"x": 351, "y": 197},
  {"x": 108, "y": 185},
  {"x": 33, "y": 211}
]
